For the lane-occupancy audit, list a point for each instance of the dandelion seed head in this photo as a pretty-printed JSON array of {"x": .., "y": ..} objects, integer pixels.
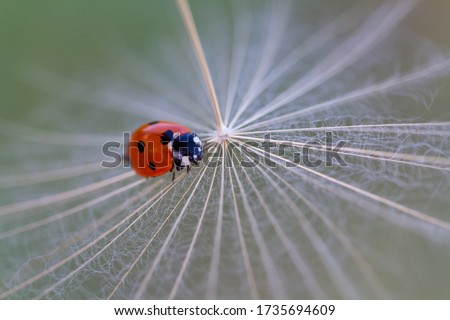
[{"x": 354, "y": 81}]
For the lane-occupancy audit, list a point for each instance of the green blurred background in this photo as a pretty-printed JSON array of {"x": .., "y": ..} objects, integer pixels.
[{"x": 74, "y": 37}]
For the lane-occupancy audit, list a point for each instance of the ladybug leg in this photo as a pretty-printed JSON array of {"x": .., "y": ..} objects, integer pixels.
[
  {"x": 188, "y": 168},
  {"x": 171, "y": 170}
]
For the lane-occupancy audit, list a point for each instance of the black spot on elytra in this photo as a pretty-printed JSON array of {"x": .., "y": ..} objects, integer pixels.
[
  {"x": 166, "y": 137},
  {"x": 152, "y": 123},
  {"x": 151, "y": 165},
  {"x": 141, "y": 146}
]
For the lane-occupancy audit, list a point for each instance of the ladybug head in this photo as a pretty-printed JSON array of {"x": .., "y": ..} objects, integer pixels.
[{"x": 187, "y": 149}]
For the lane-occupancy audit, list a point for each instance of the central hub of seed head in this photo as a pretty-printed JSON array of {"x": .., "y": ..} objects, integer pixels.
[{"x": 222, "y": 136}]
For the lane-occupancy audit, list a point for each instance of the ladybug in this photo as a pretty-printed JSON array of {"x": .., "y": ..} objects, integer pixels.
[{"x": 158, "y": 147}]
